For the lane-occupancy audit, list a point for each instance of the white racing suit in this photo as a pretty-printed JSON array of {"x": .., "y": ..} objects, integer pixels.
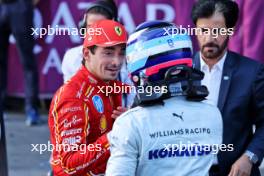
[{"x": 179, "y": 138}]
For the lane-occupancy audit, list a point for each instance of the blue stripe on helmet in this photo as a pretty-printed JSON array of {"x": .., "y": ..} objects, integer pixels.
[
  {"x": 169, "y": 57},
  {"x": 158, "y": 41}
]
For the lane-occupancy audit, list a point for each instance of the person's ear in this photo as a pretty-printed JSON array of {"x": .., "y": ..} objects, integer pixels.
[{"x": 86, "y": 54}]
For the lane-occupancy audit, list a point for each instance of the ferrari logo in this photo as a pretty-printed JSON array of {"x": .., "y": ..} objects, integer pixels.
[{"x": 118, "y": 30}]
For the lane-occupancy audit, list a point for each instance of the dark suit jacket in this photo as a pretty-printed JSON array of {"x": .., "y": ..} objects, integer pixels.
[
  {"x": 3, "y": 160},
  {"x": 241, "y": 102}
]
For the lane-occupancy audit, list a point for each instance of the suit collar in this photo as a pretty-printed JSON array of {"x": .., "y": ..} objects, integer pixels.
[{"x": 228, "y": 69}]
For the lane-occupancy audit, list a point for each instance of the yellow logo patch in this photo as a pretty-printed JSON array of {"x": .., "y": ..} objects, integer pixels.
[
  {"x": 103, "y": 124},
  {"x": 118, "y": 30}
]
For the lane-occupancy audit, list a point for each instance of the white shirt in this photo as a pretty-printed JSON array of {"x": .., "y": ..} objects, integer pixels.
[
  {"x": 142, "y": 138},
  {"x": 212, "y": 79},
  {"x": 72, "y": 61}
]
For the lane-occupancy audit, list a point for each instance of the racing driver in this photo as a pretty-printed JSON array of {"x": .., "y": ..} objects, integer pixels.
[
  {"x": 81, "y": 110},
  {"x": 171, "y": 132}
]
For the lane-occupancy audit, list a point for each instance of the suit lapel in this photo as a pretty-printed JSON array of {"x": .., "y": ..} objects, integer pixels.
[
  {"x": 226, "y": 80},
  {"x": 196, "y": 64},
  {"x": 226, "y": 76}
]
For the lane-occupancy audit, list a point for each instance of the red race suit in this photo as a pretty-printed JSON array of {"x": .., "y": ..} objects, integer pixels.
[{"x": 79, "y": 120}]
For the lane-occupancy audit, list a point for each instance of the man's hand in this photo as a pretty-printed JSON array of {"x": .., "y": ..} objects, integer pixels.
[
  {"x": 120, "y": 110},
  {"x": 242, "y": 167}
]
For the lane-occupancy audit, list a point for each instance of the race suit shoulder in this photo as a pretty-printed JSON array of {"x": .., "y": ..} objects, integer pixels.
[
  {"x": 179, "y": 137},
  {"x": 79, "y": 119}
]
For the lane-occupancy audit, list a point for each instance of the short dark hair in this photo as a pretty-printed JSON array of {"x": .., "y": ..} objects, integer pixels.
[
  {"x": 206, "y": 8},
  {"x": 92, "y": 49},
  {"x": 108, "y": 8},
  {"x": 101, "y": 11}
]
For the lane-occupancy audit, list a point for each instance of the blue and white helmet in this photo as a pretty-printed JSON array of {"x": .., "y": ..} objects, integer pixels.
[{"x": 154, "y": 48}]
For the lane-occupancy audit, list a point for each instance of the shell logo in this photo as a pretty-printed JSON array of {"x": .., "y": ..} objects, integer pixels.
[{"x": 103, "y": 124}]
